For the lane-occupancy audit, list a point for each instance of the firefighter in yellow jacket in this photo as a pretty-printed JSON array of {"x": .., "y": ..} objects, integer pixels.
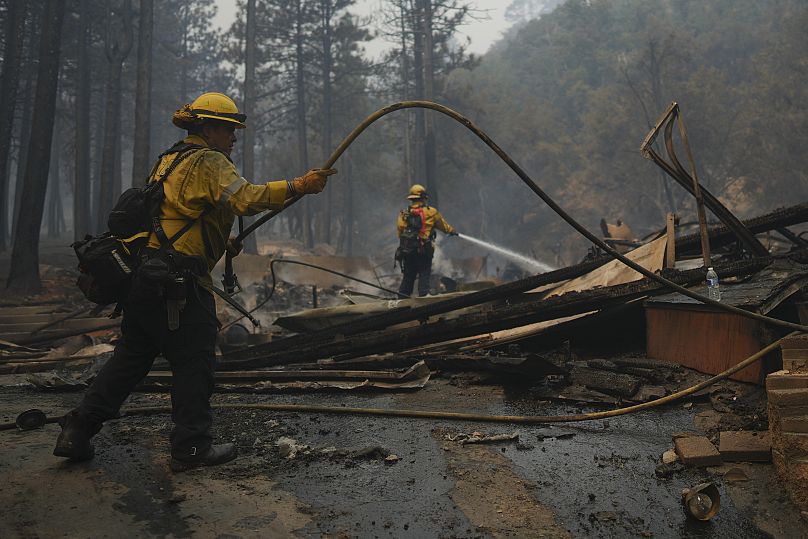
[
  {"x": 176, "y": 317},
  {"x": 416, "y": 235}
]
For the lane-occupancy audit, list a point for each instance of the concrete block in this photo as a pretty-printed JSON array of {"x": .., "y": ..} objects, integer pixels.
[
  {"x": 792, "y": 411},
  {"x": 744, "y": 446},
  {"x": 794, "y": 353},
  {"x": 697, "y": 451},
  {"x": 791, "y": 444},
  {"x": 794, "y": 341},
  {"x": 788, "y": 397},
  {"x": 786, "y": 380},
  {"x": 793, "y": 365},
  {"x": 794, "y": 423}
]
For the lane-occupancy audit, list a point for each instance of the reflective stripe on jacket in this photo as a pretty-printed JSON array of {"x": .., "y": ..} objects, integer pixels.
[
  {"x": 207, "y": 178},
  {"x": 431, "y": 219}
]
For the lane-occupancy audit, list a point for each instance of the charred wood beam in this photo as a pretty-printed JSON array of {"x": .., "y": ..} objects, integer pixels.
[
  {"x": 723, "y": 235},
  {"x": 498, "y": 318},
  {"x": 407, "y": 314}
]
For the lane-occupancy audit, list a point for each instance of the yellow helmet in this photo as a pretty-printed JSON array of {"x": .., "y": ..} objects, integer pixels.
[
  {"x": 216, "y": 106},
  {"x": 417, "y": 191}
]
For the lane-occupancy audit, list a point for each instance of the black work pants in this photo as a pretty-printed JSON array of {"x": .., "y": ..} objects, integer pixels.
[
  {"x": 190, "y": 350},
  {"x": 418, "y": 265}
]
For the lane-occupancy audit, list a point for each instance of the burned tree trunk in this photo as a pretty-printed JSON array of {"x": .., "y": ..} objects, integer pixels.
[
  {"x": 8, "y": 95},
  {"x": 27, "y": 111},
  {"x": 430, "y": 159},
  {"x": 250, "y": 244},
  {"x": 81, "y": 183},
  {"x": 302, "y": 142},
  {"x": 326, "y": 7},
  {"x": 24, "y": 275},
  {"x": 54, "y": 196},
  {"x": 140, "y": 157},
  {"x": 118, "y": 45},
  {"x": 418, "y": 68}
]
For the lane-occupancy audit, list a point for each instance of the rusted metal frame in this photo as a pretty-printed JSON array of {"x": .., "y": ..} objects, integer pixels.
[
  {"x": 499, "y": 318},
  {"x": 710, "y": 201},
  {"x": 702, "y": 216}
]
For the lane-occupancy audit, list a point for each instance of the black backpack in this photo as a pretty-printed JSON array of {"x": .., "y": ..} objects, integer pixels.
[
  {"x": 409, "y": 242},
  {"x": 108, "y": 262}
]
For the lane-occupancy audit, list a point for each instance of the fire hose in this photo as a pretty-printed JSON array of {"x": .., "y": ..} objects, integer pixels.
[
  {"x": 533, "y": 187},
  {"x": 561, "y": 213},
  {"x": 36, "y": 418}
]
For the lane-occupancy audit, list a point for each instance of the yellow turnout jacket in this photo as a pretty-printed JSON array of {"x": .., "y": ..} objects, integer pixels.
[
  {"x": 208, "y": 179},
  {"x": 431, "y": 219}
]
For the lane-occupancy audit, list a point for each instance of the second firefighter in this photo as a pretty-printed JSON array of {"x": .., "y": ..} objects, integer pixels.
[{"x": 416, "y": 234}]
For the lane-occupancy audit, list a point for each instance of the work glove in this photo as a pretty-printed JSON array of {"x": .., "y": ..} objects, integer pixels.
[
  {"x": 312, "y": 182},
  {"x": 233, "y": 248}
]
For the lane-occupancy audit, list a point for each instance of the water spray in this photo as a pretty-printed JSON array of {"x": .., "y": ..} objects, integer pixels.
[{"x": 524, "y": 261}]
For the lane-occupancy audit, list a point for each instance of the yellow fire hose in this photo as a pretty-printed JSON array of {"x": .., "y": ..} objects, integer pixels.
[
  {"x": 458, "y": 416},
  {"x": 574, "y": 224}
]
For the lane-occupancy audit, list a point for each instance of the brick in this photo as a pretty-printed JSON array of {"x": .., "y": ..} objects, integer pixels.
[
  {"x": 795, "y": 341},
  {"x": 794, "y": 353},
  {"x": 795, "y": 479},
  {"x": 792, "y": 365},
  {"x": 744, "y": 446},
  {"x": 793, "y": 445},
  {"x": 788, "y": 397},
  {"x": 697, "y": 451},
  {"x": 794, "y": 423},
  {"x": 792, "y": 411},
  {"x": 785, "y": 380}
]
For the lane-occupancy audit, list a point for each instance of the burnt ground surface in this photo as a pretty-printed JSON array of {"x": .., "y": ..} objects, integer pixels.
[{"x": 594, "y": 479}]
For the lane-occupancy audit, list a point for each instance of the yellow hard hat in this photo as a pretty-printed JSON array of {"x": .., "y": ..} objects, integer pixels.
[
  {"x": 218, "y": 106},
  {"x": 417, "y": 191}
]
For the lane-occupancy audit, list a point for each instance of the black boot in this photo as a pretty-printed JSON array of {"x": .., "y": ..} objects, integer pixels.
[
  {"x": 74, "y": 440},
  {"x": 216, "y": 454}
]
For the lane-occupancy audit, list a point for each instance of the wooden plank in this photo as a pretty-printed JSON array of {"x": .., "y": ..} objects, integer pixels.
[
  {"x": 75, "y": 323},
  {"x": 705, "y": 340},
  {"x": 670, "y": 250}
]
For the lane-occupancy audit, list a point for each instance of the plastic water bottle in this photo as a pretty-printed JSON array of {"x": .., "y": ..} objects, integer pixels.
[{"x": 713, "y": 292}]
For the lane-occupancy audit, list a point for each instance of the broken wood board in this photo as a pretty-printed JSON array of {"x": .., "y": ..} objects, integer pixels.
[
  {"x": 676, "y": 324},
  {"x": 651, "y": 256},
  {"x": 295, "y": 350},
  {"x": 416, "y": 371},
  {"x": 531, "y": 366}
]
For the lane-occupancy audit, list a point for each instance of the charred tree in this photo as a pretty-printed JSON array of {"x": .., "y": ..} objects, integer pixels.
[
  {"x": 27, "y": 111},
  {"x": 430, "y": 159},
  {"x": 326, "y": 13},
  {"x": 82, "y": 223},
  {"x": 418, "y": 67},
  {"x": 140, "y": 158},
  {"x": 300, "y": 108},
  {"x": 250, "y": 244},
  {"x": 15, "y": 28},
  {"x": 55, "y": 219},
  {"x": 24, "y": 275},
  {"x": 118, "y": 44}
]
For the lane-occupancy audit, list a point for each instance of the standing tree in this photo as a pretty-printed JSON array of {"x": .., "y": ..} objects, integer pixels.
[
  {"x": 250, "y": 243},
  {"x": 140, "y": 158},
  {"x": 24, "y": 275},
  {"x": 15, "y": 25},
  {"x": 81, "y": 168},
  {"x": 118, "y": 45}
]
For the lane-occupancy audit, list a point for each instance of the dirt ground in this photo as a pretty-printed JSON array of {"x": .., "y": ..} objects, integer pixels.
[{"x": 593, "y": 479}]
